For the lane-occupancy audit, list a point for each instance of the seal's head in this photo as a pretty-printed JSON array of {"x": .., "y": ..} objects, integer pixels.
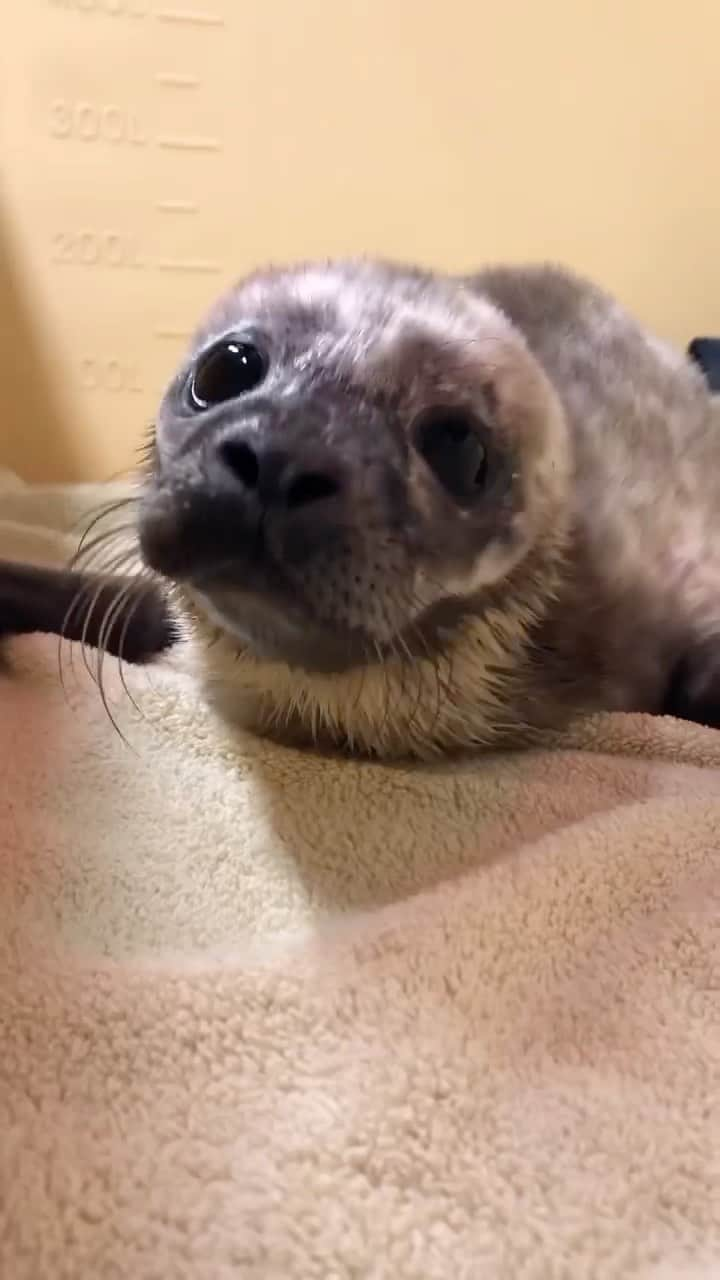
[{"x": 357, "y": 481}]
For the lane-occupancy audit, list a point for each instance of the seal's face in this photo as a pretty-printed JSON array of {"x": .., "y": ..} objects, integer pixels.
[{"x": 349, "y": 457}]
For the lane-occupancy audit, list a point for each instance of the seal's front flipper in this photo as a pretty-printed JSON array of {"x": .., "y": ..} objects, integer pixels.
[{"x": 127, "y": 617}]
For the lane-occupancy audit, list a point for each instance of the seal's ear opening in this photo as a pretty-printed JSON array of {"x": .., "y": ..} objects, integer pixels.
[
  {"x": 125, "y": 618},
  {"x": 705, "y": 353}
]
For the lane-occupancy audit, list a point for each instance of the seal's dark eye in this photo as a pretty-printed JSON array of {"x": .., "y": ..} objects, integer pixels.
[
  {"x": 229, "y": 369},
  {"x": 451, "y": 443}
]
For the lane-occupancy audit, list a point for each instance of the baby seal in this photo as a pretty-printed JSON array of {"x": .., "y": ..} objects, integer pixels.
[{"x": 402, "y": 513}]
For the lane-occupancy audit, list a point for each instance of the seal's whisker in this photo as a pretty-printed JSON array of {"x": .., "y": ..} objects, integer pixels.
[
  {"x": 96, "y": 516},
  {"x": 130, "y": 614},
  {"x": 87, "y": 556},
  {"x": 88, "y": 594}
]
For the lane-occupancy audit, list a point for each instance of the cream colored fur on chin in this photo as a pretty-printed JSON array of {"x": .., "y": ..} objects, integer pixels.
[{"x": 394, "y": 710}]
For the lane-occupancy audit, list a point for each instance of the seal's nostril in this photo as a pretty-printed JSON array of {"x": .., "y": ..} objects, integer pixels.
[
  {"x": 312, "y": 486},
  {"x": 242, "y": 461},
  {"x": 271, "y": 474}
]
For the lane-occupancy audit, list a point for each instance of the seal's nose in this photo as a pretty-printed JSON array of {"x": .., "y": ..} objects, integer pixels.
[
  {"x": 278, "y": 478},
  {"x": 250, "y": 496}
]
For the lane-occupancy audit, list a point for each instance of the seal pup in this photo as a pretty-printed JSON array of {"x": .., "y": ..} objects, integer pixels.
[
  {"x": 400, "y": 512},
  {"x": 405, "y": 512}
]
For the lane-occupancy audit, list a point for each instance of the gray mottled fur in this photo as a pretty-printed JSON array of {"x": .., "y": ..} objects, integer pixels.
[{"x": 575, "y": 586}]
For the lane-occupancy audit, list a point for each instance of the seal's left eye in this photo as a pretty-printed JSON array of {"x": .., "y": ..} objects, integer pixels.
[{"x": 229, "y": 369}]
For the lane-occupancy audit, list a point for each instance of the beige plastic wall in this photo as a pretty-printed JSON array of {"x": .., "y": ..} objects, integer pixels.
[{"x": 154, "y": 149}]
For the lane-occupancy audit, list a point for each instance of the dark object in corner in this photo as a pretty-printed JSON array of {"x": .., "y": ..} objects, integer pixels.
[
  {"x": 693, "y": 691},
  {"x": 77, "y": 606},
  {"x": 705, "y": 352}
]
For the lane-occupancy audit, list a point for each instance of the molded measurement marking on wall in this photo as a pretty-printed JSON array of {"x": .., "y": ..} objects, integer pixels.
[
  {"x": 109, "y": 249},
  {"x": 191, "y": 17},
  {"x": 186, "y": 151},
  {"x": 140, "y": 9},
  {"x": 117, "y": 377},
  {"x": 109, "y": 8},
  {"x": 90, "y": 122},
  {"x": 96, "y": 249}
]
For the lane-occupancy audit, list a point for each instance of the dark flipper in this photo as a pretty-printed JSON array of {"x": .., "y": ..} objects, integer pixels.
[
  {"x": 76, "y": 606},
  {"x": 693, "y": 692},
  {"x": 705, "y": 352}
]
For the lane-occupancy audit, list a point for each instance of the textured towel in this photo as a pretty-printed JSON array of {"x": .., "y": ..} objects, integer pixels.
[{"x": 267, "y": 1014}]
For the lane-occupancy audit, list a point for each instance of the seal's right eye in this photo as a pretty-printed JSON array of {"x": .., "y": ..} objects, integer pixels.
[
  {"x": 454, "y": 446},
  {"x": 230, "y": 368}
]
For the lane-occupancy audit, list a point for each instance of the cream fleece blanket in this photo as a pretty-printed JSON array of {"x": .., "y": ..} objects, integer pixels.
[{"x": 265, "y": 1015}]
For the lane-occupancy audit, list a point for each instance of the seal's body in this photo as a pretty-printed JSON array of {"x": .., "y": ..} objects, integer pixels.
[
  {"x": 407, "y": 512},
  {"x": 400, "y": 512}
]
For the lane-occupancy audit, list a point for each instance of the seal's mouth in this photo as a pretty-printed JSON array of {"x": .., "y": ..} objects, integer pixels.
[
  {"x": 280, "y": 631},
  {"x": 255, "y": 589},
  {"x": 274, "y": 630},
  {"x": 313, "y": 604}
]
